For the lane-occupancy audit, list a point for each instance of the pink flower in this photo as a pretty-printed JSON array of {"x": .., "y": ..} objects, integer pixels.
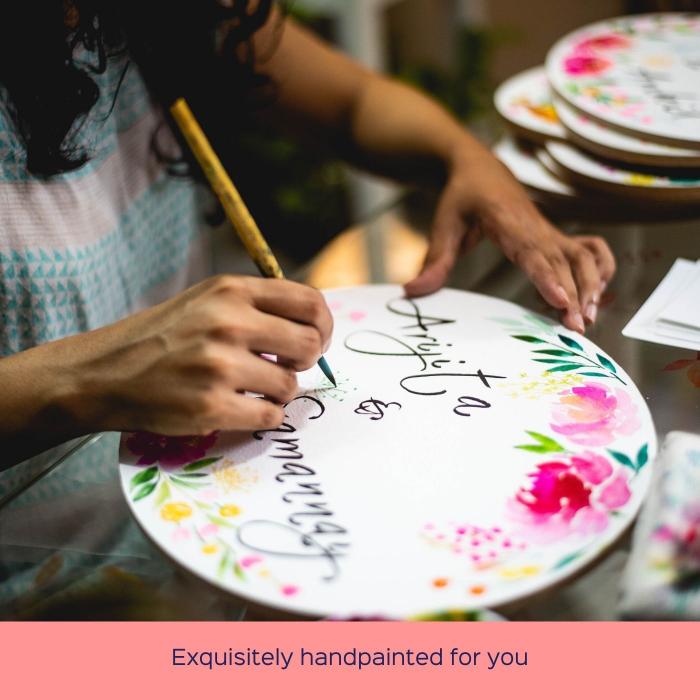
[
  {"x": 169, "y": 451},
  {"x": 247, "y": 562},
  {"x": 290, "y": 590},
  {"x": 182, "y": 533},
  {"x": 209, "y": 529},
  {"x": 594, "y": 415},
  {"x": 592, "y": 468},
  {"x": 585, "y": 64},
  {"x": 555, "y": 490},
  {"x": 574, "y": 494},
  {"x": 589, "y": 521},
  {"x": 616, "y": 492},
  {"x": 603, "y": 42}
]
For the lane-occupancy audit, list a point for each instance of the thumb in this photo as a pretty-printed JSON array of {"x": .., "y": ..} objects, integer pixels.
[{"x": 445, "y": 241}]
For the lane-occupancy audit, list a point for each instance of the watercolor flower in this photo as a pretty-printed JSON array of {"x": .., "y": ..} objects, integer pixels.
[
  {"x": 229, "y": 510},
  {"x": 175, "y": 512},
  {"x": 603, "y": 42},
  {"x": 571, "y": 494},
  {"x": 691, "y": 364},
  {"x": 640, "y": 179},
  {"x": 169, "y": 451},
  {"x": 585, "y": 64},
  {"x": 594, "y": 415}
]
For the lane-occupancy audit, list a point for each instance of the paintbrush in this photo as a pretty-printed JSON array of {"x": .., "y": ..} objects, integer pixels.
[{"x": 231, "y": 200}]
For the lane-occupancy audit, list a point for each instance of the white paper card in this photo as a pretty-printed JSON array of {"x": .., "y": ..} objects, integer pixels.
[
  {"x": 645, "y": 324},
  {"x": 684, "y": 310}
]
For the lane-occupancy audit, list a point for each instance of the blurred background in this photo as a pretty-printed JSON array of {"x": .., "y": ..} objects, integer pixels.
[{"x": 456, "y": 50}]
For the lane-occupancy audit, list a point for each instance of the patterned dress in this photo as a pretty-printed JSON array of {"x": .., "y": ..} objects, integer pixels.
[{"x": 78, "y": 251}]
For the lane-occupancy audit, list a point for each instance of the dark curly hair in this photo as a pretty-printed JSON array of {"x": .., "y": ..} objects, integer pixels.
[{"x": 183, "y": 48}]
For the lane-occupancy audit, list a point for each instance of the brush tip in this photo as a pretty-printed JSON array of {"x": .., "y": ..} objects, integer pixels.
[{"x": 323, "y": 364}]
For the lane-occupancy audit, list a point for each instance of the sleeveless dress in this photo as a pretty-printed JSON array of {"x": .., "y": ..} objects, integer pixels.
[{"x": 78, "y": 251}]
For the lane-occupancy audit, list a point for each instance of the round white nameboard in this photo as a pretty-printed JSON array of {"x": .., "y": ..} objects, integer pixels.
[
  {"x": 587, "y": 170},
  {"x": 640, "y": 74},
  {"x": 525, "y": 102},
  {"x": 472, "y": 454},
  {"x": 528, "y": 170},
  {"x": 608, "y": 143}
]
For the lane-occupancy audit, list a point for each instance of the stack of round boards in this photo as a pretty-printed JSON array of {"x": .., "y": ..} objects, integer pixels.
[{"x": 616, "y": 109}]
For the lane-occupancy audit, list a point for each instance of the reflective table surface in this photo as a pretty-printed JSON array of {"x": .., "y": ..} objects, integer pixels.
[{"x": 69, "y": 548}]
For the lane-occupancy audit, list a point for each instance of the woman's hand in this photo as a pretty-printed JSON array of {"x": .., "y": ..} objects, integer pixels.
[
  {"x": 483, "y": 199},
  {"x": 182, "y": 367}
]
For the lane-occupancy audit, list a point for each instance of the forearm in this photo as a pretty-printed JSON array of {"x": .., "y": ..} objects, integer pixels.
[
  {"x": 370, "y": 120},
  {"x": 37, "y": 390},
  {"x": 397, "y": 131}
]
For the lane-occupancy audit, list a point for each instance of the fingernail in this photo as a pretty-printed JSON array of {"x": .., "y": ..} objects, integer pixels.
[
  {"x": 603, "y": 287},
  {"x": 578, "y": 322},
  {"x": 563, "y": 295},
  {"x": 592, "y": 312}
]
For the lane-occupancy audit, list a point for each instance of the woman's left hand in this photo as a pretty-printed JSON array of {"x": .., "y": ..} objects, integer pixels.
[{"x": 482, "y": 198}]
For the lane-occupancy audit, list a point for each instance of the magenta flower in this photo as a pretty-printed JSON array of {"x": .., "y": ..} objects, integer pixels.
[
  {"x": 169, "y": 451},
  {"x": 603, "y": 42},
  {"x": 594, "y": 415},
  {"x": 573, "y": 494},
  {"x": 585, "y": 64},
  {"x": 555, "y": 490}
]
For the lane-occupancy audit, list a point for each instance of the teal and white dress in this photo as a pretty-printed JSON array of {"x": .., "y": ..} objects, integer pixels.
[{"x": 78, "y": 251}]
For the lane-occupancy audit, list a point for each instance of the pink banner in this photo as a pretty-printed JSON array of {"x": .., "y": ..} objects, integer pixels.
[{"x": 339, "y": 660}]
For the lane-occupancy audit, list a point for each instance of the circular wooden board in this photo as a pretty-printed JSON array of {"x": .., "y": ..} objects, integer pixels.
[
  {"x": 473, "y": 454},
  {"x": 585, "y": 169},
  {"x": 639, "y": 74},
  {"x": 525, "y": 102},
  {"x": 609, "y": 143}
]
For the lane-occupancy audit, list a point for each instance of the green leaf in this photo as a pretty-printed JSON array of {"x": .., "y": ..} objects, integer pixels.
[
  {"x": 606, "y": 363},
  {"x": 192, "y": 476},
  {"x": 570, "y": 342},
  {"x": 622, "y": 459},
  {"x": 548, "y": 361},
  {"x": 558, "y": 353},
  {"x": 145, "y": 490},
  {"x": 548, "y": 442},
  {"x": 539, "y": 449},
  {"x": 565, "y": 368},
  {"x": 238, "y": 570},
  {"x": 593, "y": 374},
  {"x": 528, "y": 338},
  {"x": 568, "y": 559},
  {"x": 223, "y": 563},
  {"x": 202, "y": 505},
  {"x": 187, "y": 484},
  {"x": 143, "y": 476},
  {"x": 642, "y": 456},
  {"x": 163, "y": 494},
  {"x": 200, "y": 464},
  {"x": 219, "y": 521}
]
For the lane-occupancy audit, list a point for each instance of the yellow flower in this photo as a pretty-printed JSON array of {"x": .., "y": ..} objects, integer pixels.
[
  {"x": 640, "y": 179},
  {"x": 175, "y": 512},
  {"x": 210, "y": 549},
  {"x": 231, "y": 477},
  {"x": 516, "y": 572},
  {"x": 229, "y": 511}
]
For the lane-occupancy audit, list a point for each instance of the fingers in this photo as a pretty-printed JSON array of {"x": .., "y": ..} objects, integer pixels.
[
  {"x": 299, "y": 345},
  {"x": 242, "y": 412},
  {"x": 588, "y": 280},
  {"x": 549, "y": 271},
  {"x": 295, "y": 302},
  {"x": 605, "y": 260},
  {"x": 445, "y": 241},
  {"x": 259, "y": 376}
]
